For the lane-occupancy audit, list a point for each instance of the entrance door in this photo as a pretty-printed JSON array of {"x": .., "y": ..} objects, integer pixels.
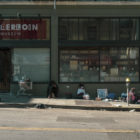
[{"x": 5, "y": 66}]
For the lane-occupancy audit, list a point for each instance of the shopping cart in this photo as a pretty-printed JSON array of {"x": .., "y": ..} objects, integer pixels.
[{"x": 24, "y": 86}]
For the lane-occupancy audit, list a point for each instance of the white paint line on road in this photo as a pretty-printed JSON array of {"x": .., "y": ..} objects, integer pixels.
[{"x": 71, "y": 130}]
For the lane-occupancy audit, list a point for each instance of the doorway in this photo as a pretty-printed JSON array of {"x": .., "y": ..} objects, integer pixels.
[{"x": 5, "y": 70}]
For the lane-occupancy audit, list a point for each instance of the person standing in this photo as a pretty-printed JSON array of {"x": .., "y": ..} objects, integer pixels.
[{"x": 132, "y": 96}]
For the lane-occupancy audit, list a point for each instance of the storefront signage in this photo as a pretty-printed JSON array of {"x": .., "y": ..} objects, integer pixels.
[{"x": 23, "y": 29}]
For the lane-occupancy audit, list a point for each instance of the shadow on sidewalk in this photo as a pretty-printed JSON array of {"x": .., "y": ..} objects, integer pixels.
[{"x": 7, "y": 98}]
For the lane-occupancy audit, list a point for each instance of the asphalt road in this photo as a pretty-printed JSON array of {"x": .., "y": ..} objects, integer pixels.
[{"x": 65, "y": 124}]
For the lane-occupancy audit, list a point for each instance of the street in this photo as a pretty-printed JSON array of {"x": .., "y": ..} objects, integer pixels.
[{"x": 68, "y": 124}]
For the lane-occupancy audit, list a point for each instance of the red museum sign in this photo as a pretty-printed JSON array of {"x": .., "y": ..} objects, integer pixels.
[{"x": 23, "y": 29}]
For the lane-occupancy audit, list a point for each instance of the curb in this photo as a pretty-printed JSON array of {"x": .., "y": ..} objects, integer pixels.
[
  {"x": 16, "y": 105},
  {"x": 96, "y": 108},
  {"x": 102, "y": 108}
]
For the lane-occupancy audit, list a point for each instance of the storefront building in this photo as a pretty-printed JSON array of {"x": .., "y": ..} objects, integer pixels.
[
  {"x": 25, "y": 51},
  {"x": 93, "y": 42}
]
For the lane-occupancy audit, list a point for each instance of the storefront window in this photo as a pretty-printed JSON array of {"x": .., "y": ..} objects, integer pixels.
[
  {"x": 98, "y": 29},
  {"x": 69, "y": 29},
  {"x": 31, "y": 63},
  {"x": 79, "y": 65},
  {"x": 99, "y": 65},
  {"x": 88, "y": 28},
  {"x": 63, "y": 26},
  {"x": 73, "y": 29},
  {"x": 104, "y": 29},
  {"x": 134, "y": 30},
  {"x": 125, "y": 25},
  {"x": 118, "y": 63}
]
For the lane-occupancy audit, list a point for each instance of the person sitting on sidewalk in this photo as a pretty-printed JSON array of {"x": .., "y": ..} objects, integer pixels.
[
  {"x": 131, "y": 96},
  {"x": 81, "y": 93},
  {"x": 52, "y": 91}
]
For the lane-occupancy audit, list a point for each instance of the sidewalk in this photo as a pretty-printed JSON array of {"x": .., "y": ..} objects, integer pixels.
[{"x": 23, "y": 101}]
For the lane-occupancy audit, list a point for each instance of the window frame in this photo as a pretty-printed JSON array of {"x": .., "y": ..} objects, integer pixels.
[
  {"x": 98, "y": 33},
  {"x": 104, "y": 82},
  {"x": 36, "y": 82}
]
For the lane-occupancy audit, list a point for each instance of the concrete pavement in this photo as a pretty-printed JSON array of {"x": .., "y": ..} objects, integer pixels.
[{"x": 8, "y": 100}]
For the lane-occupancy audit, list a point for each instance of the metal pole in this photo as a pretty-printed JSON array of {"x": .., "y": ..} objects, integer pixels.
[
  {"x": 54, "y": 4},
  {"x": 127, "y": 86}
]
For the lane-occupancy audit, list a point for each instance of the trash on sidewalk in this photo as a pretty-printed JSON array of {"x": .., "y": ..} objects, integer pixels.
[
  {"x": 117, "y": 105},
  {"x": 133, "y": 110},
  {"x": 111, "y": 96},
  {"x": 138, "y": 102},
  {"x": 123, "y": 96},
  {"x": 98, "y": 99},
  {"x": 86, "y": 96},
  {"x": 40, "y": 106},
  {"x": 106, "y": 100}
]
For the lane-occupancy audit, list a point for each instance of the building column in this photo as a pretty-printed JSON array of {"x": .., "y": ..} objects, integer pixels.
[{"x": 54, "y": 46}]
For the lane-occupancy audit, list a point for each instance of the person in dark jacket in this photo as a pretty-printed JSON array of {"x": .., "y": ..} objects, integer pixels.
[{"x": 52, "y": 91}]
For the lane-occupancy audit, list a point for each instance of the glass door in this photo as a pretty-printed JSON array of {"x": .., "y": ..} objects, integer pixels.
[{"x": 5, "y": 68}]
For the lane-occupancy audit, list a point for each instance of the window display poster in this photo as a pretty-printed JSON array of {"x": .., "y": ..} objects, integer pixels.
[{"x": 73, "y": 65}]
